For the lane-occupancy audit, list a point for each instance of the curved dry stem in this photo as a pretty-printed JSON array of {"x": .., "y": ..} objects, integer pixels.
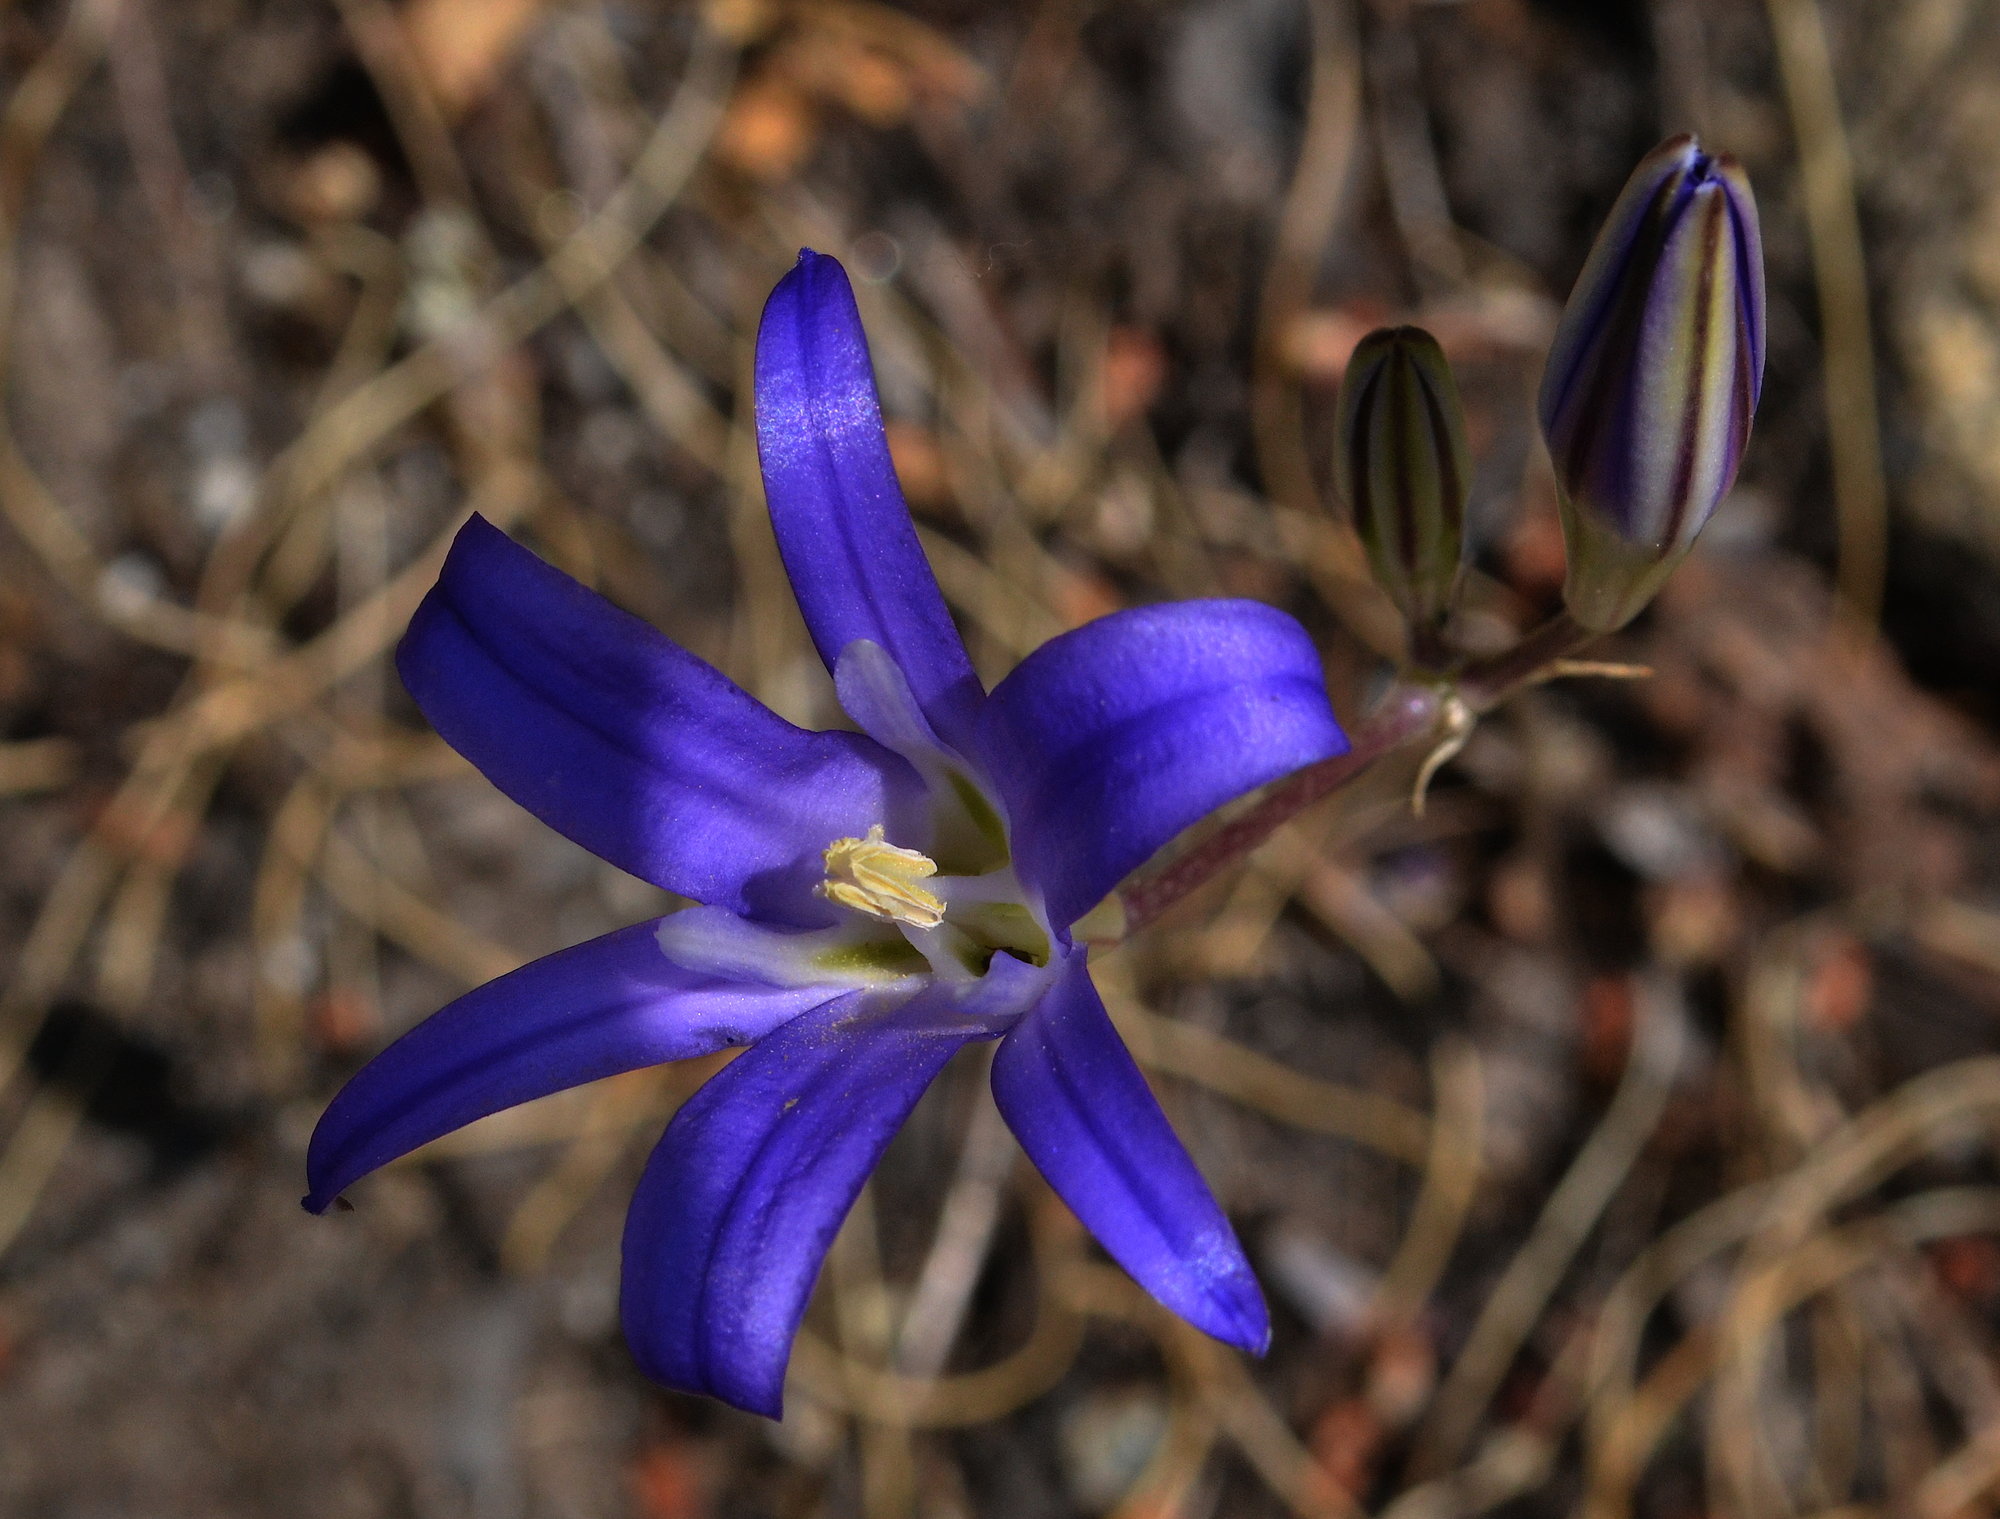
[
  {"x": 1457, "y": 727},
  {"x": 626, "y": 1107},
  {"x": 1162, "y": 1488},
  {"x": 966, "y": 1223},
  {"x": 1734, "y": 1348},
  {"x": 975, "y": 1397},
  {"x": 1231, "y": 1070},
  {"x": 1235, "y": 1401},
  {"x": 277, "y": 942},
  {"x": 1451, "y": 1180},
  {"x": 361, "y": 420},
  {"x": 1840, "y": 269},
  {"x": 1311, "y": 211},
  {"x": 1572, "y": 1211}
]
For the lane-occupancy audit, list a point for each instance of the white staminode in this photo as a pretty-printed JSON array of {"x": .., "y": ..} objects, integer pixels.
[{"x": 873, "y": 876}]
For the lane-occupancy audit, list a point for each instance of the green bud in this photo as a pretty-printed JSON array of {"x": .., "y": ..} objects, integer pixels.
[{"x": 1403, "y": 468}]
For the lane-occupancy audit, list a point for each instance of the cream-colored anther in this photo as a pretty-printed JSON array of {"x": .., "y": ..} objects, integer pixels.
[{"x": 873, "y": 876}]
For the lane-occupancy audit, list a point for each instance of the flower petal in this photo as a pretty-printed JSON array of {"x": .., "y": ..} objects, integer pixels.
[
  {"x": 1071, "y": 1093},
  {"x": 609, "y": 1005},
  {"x": 874, "y": 692},
  {"x": 1112, "y": 738},
  {"x": 750, "y": 1183},
  {"x": 618, "y": 738},
  {"x": 969, "y": 835},
  {"x": 842, "y": 526},
  {"x": 855, "y": 952}
]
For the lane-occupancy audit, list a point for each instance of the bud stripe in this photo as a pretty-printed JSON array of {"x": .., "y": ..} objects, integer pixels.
[
  {"x": 1403, "y": 437},
  {"x": 1749, "y": 270},
  {"x": 1614, "y": 294},
  {"x": 1608, "y": 399},
  {"x": 1452, "y": 490},
  {"x": 1746, "y": 308},
  {"x": 1691, "y": 415},
  {"x": 1358, "y": 457}
]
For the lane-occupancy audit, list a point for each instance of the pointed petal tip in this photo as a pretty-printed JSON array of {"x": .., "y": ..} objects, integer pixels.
[
  {"x": 753, "y": 1393},
  {"x": 1077, "y": 1102},
  {"x": 1230, "y": 1305},
  {"x": 1683, "y": 150},
  {"x": 1685, "y": 154},
  {"x": 764, "y": 1398},
  {"x": 811, "y": 264},
  {"x": 1250, "y": 1329}
]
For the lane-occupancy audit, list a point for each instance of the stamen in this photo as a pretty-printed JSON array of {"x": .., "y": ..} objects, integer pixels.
[{"x": 873, "y": 876}]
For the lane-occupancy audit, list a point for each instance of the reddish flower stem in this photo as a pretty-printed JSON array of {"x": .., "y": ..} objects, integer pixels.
[
  {"x": 1485, "y": 684},
  {"x": 1410, "y": 712}
]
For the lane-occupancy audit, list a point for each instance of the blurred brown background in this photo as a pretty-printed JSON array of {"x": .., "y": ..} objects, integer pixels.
[{"x": 1617, "y": 1138}]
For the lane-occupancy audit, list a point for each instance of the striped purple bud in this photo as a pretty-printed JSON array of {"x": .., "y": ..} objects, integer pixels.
[
  {"x": 1402, "y": 465},
  {"x": 1654, "y": 376}
]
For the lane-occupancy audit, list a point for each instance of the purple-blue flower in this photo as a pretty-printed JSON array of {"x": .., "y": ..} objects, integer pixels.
[{"x": 868, "y": 903}]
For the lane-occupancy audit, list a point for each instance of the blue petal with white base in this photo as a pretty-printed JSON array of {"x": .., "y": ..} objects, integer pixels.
[
  {"x": 621, "y": 740},
  {"x": 836, "y": 505}
]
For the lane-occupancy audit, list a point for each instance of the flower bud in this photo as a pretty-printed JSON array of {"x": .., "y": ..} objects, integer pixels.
[
  {"x": 1654, "y": 376},
  {"x": 1402, "y": 465}
]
